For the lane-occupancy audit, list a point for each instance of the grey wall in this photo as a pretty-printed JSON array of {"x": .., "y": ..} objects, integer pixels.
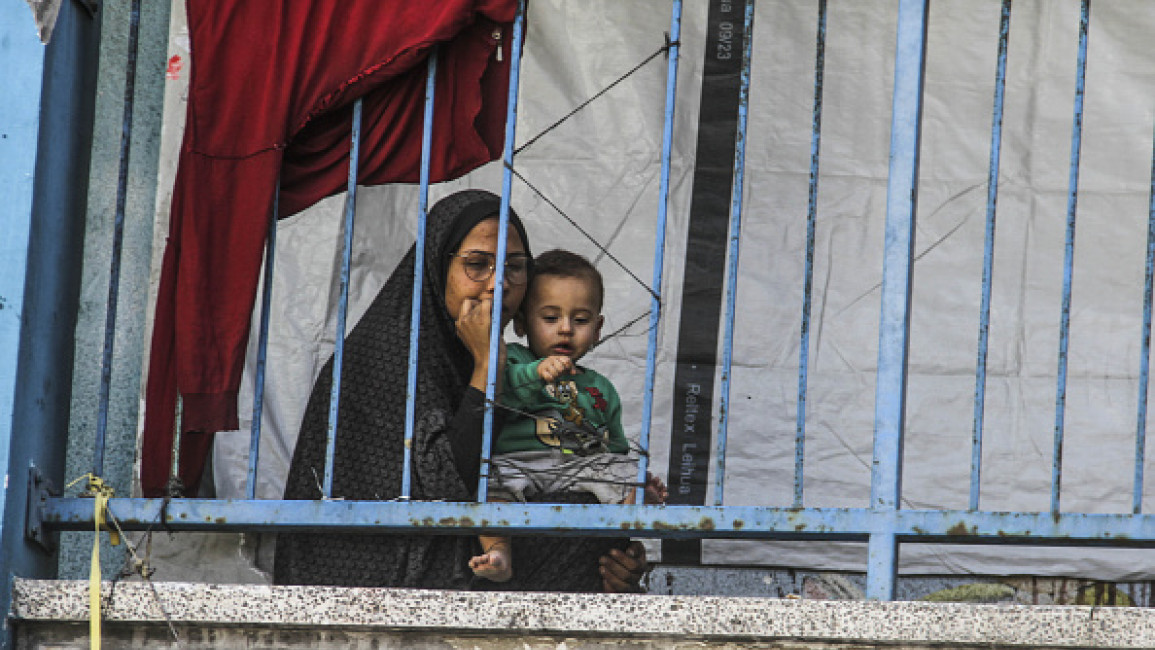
[{"x": 140, "y": 206}]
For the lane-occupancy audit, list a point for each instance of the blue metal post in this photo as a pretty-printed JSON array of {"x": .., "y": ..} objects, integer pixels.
[
  {"x": 343, "y": 305},
  {"x": 1069, "y": 259},
  {"x": 46, "y": 114},
  {"x": 808, "y": 271},
  {"x": 989, "y": 256},
  {"x": 418, "y": 272},
  {"x": 732, "y": 271},
  {"x": 503, "y": 227},
  {"x": 897, "y": 270},
  {"x": 1145, "y": 354},
  {"x": 660, "y": 242},
  {"x": 263, "y": 347}
]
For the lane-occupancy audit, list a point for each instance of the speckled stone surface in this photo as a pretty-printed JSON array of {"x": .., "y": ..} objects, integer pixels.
[{"x": 723, "y": 619}]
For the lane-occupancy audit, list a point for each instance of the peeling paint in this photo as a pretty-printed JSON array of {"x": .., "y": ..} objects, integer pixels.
[{"x": 961, "y": 530}]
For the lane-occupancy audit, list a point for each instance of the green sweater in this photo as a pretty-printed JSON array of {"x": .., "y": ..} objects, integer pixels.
[{"x": 597, "y": 401}]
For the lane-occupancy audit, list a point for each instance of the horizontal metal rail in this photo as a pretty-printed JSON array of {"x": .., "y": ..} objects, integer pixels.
[{"x": 729, "y": 522}]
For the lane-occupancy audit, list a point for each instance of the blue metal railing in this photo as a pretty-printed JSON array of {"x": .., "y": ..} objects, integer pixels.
[
  {"x": 884, "y": 524},
  {"x": 262, "y": 349},
  {"x": 1069, "y": 260},
  {"x": 808, "y": 270},
  {"x": 735, "y": 232},
  {"x": 897, "y": 278},
  {"x": 502, "y": 230},
  {"x": 674, "y": 50},
  {"x": 418, "y": 278},
  {"x": 989, "y": 255}
]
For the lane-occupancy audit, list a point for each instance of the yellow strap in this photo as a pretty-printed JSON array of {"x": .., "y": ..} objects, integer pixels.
[
  {"x": 100, "y": 493},
  {"x": 94, "y": 581}
]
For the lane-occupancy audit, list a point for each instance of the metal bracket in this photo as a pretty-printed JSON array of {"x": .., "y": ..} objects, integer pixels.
[{"x": 39, "y": 490}]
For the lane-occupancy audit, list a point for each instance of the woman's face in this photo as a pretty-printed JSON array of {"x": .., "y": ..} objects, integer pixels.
[{"x": 459, "y": 287}]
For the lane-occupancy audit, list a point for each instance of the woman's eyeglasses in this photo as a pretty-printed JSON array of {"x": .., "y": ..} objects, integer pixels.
[{"x": 479, "y": 266}]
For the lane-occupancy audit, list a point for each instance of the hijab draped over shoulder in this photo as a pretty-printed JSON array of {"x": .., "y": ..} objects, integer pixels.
[
  {"x": 371, "y": 424},
  {"x": 371, "y": 430}
]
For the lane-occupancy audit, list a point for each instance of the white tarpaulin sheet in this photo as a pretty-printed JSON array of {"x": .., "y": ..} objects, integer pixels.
[{"x": 601, "y": 167}]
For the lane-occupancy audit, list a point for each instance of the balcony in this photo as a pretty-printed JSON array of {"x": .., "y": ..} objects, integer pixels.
[{"x": 888, "y": 392}]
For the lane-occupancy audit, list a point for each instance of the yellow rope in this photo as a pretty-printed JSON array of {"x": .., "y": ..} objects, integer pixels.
[{"x": 100, "y": 493}]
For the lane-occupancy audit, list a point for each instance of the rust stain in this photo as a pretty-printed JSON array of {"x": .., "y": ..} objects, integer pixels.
[{"x": 960, "y": 530}]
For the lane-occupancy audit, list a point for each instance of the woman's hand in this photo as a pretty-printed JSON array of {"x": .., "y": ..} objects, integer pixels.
[
  {"x": 622, "y": 571},
  {"x": 473, "y": 324}
]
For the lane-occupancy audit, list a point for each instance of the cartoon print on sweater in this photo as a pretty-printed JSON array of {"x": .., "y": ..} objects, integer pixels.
[{"x": 568, "y": 429}]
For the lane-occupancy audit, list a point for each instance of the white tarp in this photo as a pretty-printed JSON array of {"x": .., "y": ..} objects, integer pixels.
[{"x": 601, "y": 168}]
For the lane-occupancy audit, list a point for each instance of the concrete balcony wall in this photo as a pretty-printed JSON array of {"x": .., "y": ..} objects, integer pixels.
[{"x": 54, "y": 614}]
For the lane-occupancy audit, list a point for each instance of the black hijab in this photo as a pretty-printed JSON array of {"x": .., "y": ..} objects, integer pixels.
[
  {"x": 370, "y": 438},
  {"x": 371, "y": 423}
]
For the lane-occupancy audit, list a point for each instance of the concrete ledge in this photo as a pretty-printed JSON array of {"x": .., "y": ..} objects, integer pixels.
[{"x": 707, "y": 620}]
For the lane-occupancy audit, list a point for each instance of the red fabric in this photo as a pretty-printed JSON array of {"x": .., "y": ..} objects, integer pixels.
[{"x": 270, "y": 93}]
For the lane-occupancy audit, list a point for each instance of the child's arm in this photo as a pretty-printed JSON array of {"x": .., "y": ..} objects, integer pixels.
[
  {"x": 527, "y": 379},
  {"x": 522, "y": 382},
  {"x": 552, "y": 368},
  {"x": 656, "y": 492}
]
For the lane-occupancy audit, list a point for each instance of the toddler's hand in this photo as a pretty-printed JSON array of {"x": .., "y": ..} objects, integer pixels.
[
  {"x": 656, "y": 491},
  {"x": 553, "y": 367}
]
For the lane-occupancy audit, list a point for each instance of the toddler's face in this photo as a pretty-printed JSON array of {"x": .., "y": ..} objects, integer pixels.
[{"x": 561, "y": 317}]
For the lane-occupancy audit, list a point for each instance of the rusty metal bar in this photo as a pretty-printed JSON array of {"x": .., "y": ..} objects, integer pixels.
[
  {"x": 989, "y": 256},
  {"x": 897, "y": 272},
  {"x": 808, "y": 271},
  {"x": 343, "y": 306},
  {"x": 1069, "y": 258}
]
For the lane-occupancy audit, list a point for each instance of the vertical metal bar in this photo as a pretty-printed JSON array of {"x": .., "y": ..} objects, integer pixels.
[
  {"x": 503, "y": 227},
  {"x": 898, "y": 263},
  {"x": 418, "y": 271},
  {"x": 343, "y": 304},
  {"x": 989, "y": 255},
  {"x": 732, "y": 272},
  {"x": 808, "y": 280},
  {"x": 262, "y": 347},
  {"x": 659, "y": 242},
  {"x": 1145, "y": 355},
  {"x": 117, "y": 239},
  {"x": 1069, "y": 258},
  {"x": 175, "y": 486},
  {"x": 881, "y": 566}
]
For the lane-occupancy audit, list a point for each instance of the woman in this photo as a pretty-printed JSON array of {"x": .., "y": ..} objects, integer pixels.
[{"x": 456, "y": 304}]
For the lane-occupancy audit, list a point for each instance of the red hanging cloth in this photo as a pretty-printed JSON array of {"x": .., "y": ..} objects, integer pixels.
[{"x": 270, "y": 92}]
